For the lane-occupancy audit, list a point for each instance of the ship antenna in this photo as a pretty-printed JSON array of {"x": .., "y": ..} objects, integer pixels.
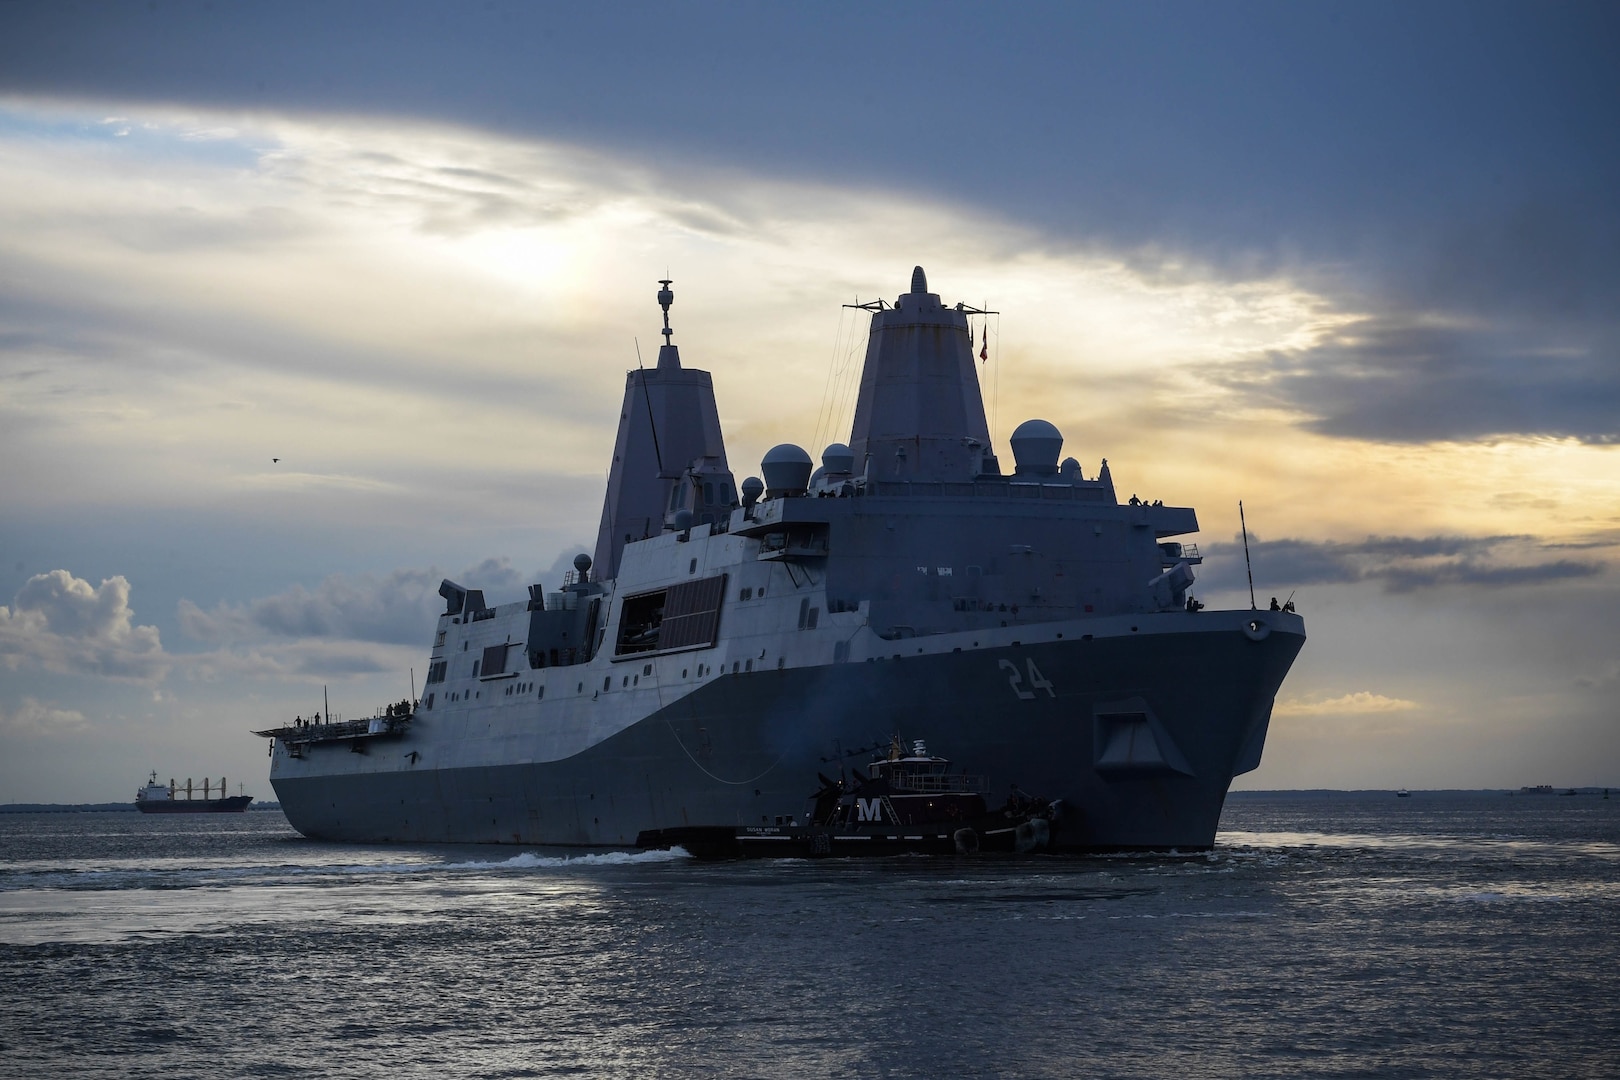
[
  {"x": 647, "y": 397},
  {"x": 1246, "y": 564},
  {"x": 666, "y": 298}
]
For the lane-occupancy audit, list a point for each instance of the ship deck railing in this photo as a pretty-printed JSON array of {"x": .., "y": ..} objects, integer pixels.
[
  {"x": 1008, "y": 488},
  {"x": 370, "y": 727},
  {"x": 937, "y": 784}
]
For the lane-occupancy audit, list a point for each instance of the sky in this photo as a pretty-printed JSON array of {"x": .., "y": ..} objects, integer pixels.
[{"x": 1355, "y": 265}]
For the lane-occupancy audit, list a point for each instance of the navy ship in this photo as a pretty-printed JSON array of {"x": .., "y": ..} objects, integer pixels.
[{"x": 725, "y": 645}]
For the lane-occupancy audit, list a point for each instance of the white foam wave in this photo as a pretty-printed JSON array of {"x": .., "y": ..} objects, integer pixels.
[{"x": 528, "y": 860}]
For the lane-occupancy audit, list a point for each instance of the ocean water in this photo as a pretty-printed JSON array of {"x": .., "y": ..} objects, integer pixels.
[{"x": 1333, "y": 936}]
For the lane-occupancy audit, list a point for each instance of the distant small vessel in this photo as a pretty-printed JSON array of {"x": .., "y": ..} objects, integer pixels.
[
  {"x": 1539, "y": 789},
  {"x": 155, "y": 798},
  {"x": 1403, "y": 794}
]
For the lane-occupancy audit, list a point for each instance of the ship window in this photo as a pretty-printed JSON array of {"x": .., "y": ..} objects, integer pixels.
[
  {"x": 541, "y": 694},
  {"x": 636, "y": 681},
  {"x": 804, "y": 613},
  {"x": 708, "y": 493},
  {"x": 475, "y": 668},
  {"x": 815, "y": 616},
  {"x": 625, "y": 681},
  {"x": 725, "y": 493},
  {"x": 494, "y": 661},
  {"x": 781, "y": 661},
  {"x": 692, "y": 567},
  {"x": 438, "y": 640},
  {"x": 683, "y": 673},
  {"x": 734, "y": 665},
  {"x": 679, "y": 617},
  {"x": 463, "y": 646},
  {"x": 750, "y": 666},
  {"x": 746, "y": 594},
  {"x": 641, "y": 622},
  {"x": 646, "y": 669},
  {"x": 430, "y": 701}
]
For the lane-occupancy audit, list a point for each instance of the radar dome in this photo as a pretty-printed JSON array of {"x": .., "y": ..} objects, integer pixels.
[
  {"x": 838, "y": 458},
  {"x": 1070, "y": 469},
  {"x": 787, "y": 470},
  {"x": 1035, "y": 446},
  {"x": 582, "y": 563},
  {"x": 752, "y": 489}
]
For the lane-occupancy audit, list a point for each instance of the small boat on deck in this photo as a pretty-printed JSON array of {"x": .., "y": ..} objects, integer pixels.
[{"x": 907, "y": 803}]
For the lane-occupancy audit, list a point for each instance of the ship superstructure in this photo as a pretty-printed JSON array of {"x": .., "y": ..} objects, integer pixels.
[{"x": 726, "y": 645}]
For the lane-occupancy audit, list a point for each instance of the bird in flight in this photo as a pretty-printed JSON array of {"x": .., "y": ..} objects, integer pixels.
[{"x": 274, "y": 459}]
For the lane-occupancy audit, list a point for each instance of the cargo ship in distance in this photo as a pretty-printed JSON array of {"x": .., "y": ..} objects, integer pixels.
[
  {"x": 155, "y": 798},
  {"x": 725, "y": 645}
]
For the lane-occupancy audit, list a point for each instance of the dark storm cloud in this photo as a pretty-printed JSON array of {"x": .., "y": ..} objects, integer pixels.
[
  {"x": 1506, "y": 327},
  {"x": 1262, "y": 123},
  {"x": 1392, "y": 380},
  {"x": 1452, "y": 165},
  {"x": 1400, "y": 564}
]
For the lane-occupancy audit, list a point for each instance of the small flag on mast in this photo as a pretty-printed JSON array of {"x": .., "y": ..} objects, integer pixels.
[{"x": 984, "y": 350}]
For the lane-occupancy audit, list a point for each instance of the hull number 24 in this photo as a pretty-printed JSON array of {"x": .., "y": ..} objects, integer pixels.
[{"x": 1037, "y": 681}]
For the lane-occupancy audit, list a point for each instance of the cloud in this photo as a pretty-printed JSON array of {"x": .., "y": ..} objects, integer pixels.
[
  {"x": 1361, "y": 701},
  {"x": 37, "y": 718},
  {"x": 1603, "y": 680},
  {"x": 1401, "y": 563},
  {"x": 1434, "y": 377},
  {"x": 394, "y": 609},
  {"x": 302, "y": 661},
  {"x": 64, "y": 624}
]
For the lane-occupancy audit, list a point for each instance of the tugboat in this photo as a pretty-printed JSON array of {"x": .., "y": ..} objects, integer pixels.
[
  {"x": 908, "y": 803},
  {"x": 155, "y": 798}
]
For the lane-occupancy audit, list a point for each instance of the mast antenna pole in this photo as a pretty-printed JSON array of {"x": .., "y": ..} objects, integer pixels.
[
  {"x": 1246, "y": 565},
  {"x": 326, "y": 701},
  {"x": 413, "y": 684},
  {"x": 646, "y": 397}
]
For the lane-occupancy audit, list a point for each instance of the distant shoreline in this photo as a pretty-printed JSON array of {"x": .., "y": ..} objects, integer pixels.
[
  {"x": 1597, "y": 791},
  {"x": 97, "y": 808}
]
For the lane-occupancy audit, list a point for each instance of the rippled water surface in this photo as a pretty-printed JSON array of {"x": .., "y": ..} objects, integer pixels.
[{"x": 1441, "y": 935}]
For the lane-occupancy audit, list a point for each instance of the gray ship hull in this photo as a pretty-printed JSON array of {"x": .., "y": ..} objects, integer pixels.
[{"x": 1138, "y": 733}]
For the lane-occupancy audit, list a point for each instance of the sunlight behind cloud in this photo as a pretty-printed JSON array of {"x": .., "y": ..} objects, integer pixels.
[{"x": 1361, "y": 701}]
